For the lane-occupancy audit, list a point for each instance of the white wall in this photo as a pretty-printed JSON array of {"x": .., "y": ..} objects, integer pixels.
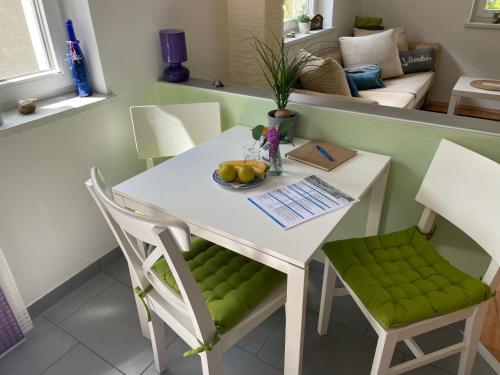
[
  {"x": 466, "y": 51},
  {"x": 49, "y": 227}
]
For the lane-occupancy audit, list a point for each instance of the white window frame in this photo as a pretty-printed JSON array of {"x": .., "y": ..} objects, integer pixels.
[
  {"x": 290, "y": 24},
  {"x": 479, "y": 13},
  {"x": 52, "y": 38}
]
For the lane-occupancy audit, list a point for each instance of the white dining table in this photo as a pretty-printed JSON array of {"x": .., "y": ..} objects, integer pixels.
[{"x": 183, "y": 188}]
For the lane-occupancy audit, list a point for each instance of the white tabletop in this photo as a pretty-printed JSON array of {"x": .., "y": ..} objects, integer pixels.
[
  {"x": 464, "y": 88},
  {"x": 183, "y": 187}
]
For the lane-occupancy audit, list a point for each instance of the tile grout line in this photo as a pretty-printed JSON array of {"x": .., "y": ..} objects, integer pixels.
[
  {"x": 79, "y": 307},
  {"x": 264, "y": 344},
  {"x": 165, "y": 350},
  {"x": 118, "y": 281},
  {"x": 148, "y": 366},
  {"x": 61, "y": 357},
  {"x": 90, "y": 349}
]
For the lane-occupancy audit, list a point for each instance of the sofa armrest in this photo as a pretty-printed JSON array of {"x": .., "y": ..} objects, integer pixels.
[
  {"x": 421, "y": 45},
  {"x": 315, "y": 97}
]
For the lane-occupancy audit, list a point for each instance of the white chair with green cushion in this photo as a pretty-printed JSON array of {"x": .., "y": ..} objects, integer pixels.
[
  {"x": 403, "y": 286},
  {"x": 167, "y": 130},
  {"x": 210, "y": 296}
]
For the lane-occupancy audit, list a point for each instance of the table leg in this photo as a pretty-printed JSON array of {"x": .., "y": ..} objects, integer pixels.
[
  {"x": 296, "y": 298},
  {"x": 327, "y": 294},
  {"x": 376, "y": 204},
  {"x": 454, "y": 105}
]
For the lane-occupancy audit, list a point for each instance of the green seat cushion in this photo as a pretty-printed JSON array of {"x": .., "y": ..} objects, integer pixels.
[
  {"x": 401, "y": 279},
  {"x": 231, "y": 284}
]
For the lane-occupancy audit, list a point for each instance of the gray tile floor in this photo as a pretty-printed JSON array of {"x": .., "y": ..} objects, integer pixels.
[{"x": 94, "y": 331}]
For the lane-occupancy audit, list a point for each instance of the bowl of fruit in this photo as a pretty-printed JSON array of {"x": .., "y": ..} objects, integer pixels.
[{"x": 241, "y": 174}]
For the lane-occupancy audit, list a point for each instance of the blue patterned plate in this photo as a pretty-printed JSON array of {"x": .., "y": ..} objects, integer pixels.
[{"x": 237, "y": 185}]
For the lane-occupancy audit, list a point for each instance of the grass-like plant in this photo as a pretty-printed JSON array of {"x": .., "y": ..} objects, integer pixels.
[{"x": 281, "y": 71}]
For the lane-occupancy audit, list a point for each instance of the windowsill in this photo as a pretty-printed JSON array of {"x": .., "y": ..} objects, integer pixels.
[
  {"x": 476, "y": 24},
  {"x": 305, "y": 37},
  {"x": 49, "y": 109}
]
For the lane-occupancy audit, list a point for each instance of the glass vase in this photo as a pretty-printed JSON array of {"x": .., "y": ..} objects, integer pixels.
[{"x": 275, "y": 165}]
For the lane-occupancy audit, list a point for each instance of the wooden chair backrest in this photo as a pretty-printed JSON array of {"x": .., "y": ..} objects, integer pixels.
[
  {"x": 169, "y": 237},
  {"x": 168, "y": 130},
  {"x": 464, "y": 187}
]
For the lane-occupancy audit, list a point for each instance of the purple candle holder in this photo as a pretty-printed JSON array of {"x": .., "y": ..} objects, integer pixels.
[{"x": 173, "y": 48}]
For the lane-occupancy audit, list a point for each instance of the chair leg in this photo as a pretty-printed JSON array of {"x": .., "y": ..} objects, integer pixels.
[
  {"x": 383, "y": 354},
  {"x": 211, "y": 362},
  {"x": 327, "y": 292},
  {"x": 472, "y": 333},
  {"x": 158, "y": 342}
]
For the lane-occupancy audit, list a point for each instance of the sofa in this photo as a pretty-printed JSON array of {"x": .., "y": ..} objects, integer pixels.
[{"x": 407, "y": 91}]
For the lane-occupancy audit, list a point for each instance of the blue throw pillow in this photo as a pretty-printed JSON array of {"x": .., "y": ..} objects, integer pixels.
[
  {"x": 366, "y": 77},
  {"x": 352, "y": 85}
]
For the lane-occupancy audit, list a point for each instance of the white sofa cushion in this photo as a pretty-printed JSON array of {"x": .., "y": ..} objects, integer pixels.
[
  {"x": 323, "y": 75},
  {"x": 417, "y": 84},
  {"x": 389, "y": 99},
  {"x": 401, "y": 37}
]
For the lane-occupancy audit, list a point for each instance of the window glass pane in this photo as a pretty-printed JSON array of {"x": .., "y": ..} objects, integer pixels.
[
  {"x": 21, "y": 49},
  {"x": 293, "y": 8},
  {"x": 492, "y": 5}
]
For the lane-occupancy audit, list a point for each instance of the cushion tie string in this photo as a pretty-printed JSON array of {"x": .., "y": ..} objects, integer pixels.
[
  {"x": 200, "y": 349},
  {"x": 204, "y": 347},
  {"x": 142, "y": 295}
]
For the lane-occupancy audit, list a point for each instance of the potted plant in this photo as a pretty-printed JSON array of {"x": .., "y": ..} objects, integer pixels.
[
  {"x": 304, "y": 23},
  {"x": 282, "y": 73}
]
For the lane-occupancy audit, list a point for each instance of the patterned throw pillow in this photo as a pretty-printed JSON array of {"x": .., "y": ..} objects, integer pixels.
[{"x": 420, "y": 60}]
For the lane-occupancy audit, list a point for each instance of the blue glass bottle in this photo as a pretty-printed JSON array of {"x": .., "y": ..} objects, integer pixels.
[{"x": 76, "y": 63}]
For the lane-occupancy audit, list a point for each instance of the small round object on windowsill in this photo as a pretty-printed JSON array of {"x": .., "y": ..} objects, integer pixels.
[{"x": 27, "y": 106}]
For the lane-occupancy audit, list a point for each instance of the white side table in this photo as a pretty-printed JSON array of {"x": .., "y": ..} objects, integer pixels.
[{"x": 463, "y": 89}]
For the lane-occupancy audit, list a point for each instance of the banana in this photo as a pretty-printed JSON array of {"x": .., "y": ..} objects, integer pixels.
[
  {"x": 258, "y": 166},
  {"x": 251, "y": 163},
  {"x": 259, "y": 172}
]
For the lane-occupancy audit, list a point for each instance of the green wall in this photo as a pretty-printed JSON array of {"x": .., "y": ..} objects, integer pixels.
[{"x": 410, "y": 145}]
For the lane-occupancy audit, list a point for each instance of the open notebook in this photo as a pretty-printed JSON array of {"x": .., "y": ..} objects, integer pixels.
[{"x": 309, "y": 154}]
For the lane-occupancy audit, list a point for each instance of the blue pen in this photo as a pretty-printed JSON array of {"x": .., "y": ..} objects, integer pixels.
[{"x": 324, "y": 153}]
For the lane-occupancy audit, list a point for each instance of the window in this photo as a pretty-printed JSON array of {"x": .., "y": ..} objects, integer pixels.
[
  {"x": 32, "y": 50},
  {"x": 293, "y": 8},
  {"x": 492, "y": 5},
  {"x": 483, "y": 11}
]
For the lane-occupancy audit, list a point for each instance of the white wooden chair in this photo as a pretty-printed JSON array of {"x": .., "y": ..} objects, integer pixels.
[
  {"x": 185, "y": 310},
  {"x": 168, "y": 130},
  {"x": 463, "y": 187}
]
